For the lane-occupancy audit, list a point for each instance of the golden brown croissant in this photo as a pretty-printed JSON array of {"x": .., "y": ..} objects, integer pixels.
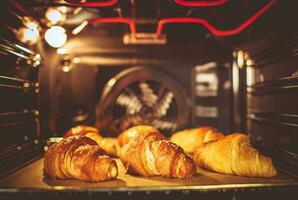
[
  {"x": 190, "y": 139},
  {"x": 150, "y": 154},
  {"x": 81, "y": 130},
  {"x": 80, "y": 158},
  {"x": 129, "y": 134},
  {"x": 110, "y": 145},
  {"x": 234, "y": 155}
]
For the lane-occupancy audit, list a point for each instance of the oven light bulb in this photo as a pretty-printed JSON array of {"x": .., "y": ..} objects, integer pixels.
[
  {"x": 32, "y": 25},
  {"x": 56, "y": 36},
  {"x": 28, "y": 36},
  {"x": 54, "y": 15}
]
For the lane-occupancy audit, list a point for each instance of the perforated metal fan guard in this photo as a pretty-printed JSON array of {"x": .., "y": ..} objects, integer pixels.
[{"x": 138, "y": 96}]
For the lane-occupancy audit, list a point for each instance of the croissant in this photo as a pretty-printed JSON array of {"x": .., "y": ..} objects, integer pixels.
[
  {"x": 81, "y": 130},
  {"x": 129, "y": 134},
  {"x": 190, "y": 139},
  {"x": 110, "y": 145},
  {"x": 150, "y": 154},
  {"x": 234, "y": 155},
  {"x": 80, "y": 158}
]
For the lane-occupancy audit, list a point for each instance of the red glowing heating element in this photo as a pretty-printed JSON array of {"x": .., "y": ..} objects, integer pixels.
[
  {"x": 92, "y": 4},
  {"x": 200, "y": 3},
  {"x": 128, "y": 21},
  {"x": 210, "y": 27}
]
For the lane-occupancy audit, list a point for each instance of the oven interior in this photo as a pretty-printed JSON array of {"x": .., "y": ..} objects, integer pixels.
[{"x": 173, "y": 64}]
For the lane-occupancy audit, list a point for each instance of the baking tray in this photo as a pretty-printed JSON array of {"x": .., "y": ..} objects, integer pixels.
[
  {"x": 33, "y": 177},
  {"x": 30, "y": 183}
]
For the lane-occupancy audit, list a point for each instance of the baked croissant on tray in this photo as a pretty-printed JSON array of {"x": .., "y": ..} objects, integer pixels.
[
  {"x": 150, "y": 154},
  {"x": 234, "y": 155},
  {"x": 78, "y": 157},
  {"x": 190, "y": 139},
  {"x": 110, "y": 145},
  {"x": 128, "y": 135}
]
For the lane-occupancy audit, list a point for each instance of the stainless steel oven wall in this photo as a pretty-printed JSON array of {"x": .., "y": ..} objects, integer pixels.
[
  {"x": 266, "y": 63},
  {"x": 19, "y": 91}
]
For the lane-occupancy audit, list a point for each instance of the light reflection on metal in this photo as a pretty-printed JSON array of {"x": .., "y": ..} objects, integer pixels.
[
  {"x": 69, "y": 63},
  {"x": 206, "y": 111},
  {"x": 76, "y": 60},
  {"x": 66, "y": 68},
  {"x": 206, "y": 80},
  {"x": 79, "y": 28},
  {"x": 240, "y": 59},
  {"x": 249, "y": 62},
  {"x": 145, "y": 38},
  {"x": 80, "y": 117},
  {"x": 235, "y": 75},
  {"x": 205, "y": 66},
  {"x": 243, "y": 59},
  {"x": 206, "y": 84},
  {"x": 111, "y": 82},
  {"x": 62, "y": 51},
  {"x": 249, "y": 76},
  {"x": 130, "y": 102},
  {"x": 148, "y": 96},
  {"x": 161, "y": 107}
]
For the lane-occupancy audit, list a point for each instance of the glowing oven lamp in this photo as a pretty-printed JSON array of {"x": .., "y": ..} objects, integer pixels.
[
  {"x": 28, "y": 34},
  {"x": 55, "y": 36},
  {"x": 55, "y": 15}
]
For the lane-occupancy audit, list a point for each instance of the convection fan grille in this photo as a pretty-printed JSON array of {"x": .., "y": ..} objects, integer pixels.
[{"x": 142, "y": 96}]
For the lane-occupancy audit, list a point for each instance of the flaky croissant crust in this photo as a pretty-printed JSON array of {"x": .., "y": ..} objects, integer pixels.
[
  {"x": 80, "y": 158},
  {"x": 151, "y": 154},
  {"x": 190, "y": 139},
  {"x": 234, "y": 155},
  {"x": 128, "y": 135},
  {"x": 110, "y": 145}
]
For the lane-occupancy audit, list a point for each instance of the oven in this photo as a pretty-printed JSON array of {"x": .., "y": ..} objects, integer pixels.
[{"x": 173, "y": 64}]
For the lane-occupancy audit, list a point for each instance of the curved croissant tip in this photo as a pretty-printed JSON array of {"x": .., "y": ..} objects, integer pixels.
[{"x": 113, "y": 172}]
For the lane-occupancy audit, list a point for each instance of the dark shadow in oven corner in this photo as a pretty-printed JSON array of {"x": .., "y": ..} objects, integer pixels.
[{"x": 77, "y": 183}]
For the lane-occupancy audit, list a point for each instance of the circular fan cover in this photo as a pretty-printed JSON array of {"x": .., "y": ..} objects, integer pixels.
[{"x": 141, "y": 96}]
